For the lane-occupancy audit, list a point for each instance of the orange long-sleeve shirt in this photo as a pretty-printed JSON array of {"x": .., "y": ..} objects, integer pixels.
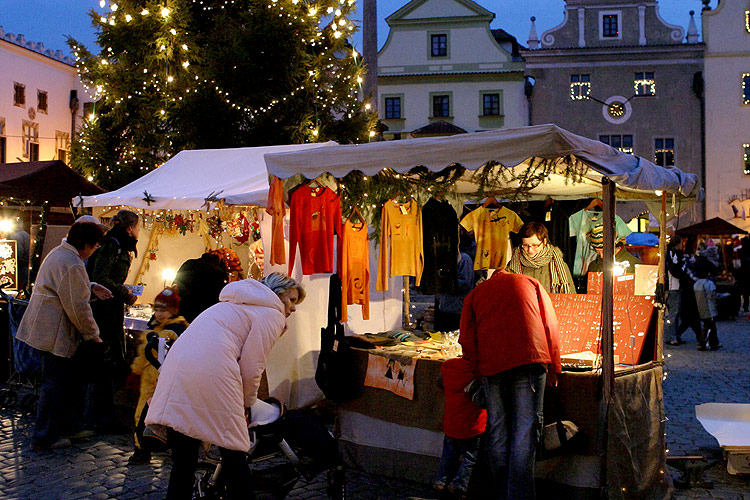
[
  {"x": 315, "y": 217},
  {"x": 402, "y": 223},
  {"x": 355, "y": 269},
  {"x": 275, "y": 208}
]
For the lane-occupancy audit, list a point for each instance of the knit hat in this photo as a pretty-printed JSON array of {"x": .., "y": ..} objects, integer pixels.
[{"x": 170, "y": 299}]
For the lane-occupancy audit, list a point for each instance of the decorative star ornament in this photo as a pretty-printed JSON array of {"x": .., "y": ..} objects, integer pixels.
[{"x": 148, "y": 198}]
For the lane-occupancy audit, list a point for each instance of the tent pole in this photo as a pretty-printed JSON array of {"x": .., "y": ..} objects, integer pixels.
[
  {"x": 608, "y": 368},
  {"x": 661, "y": 283},
  {"x": 407, "y": 300}
]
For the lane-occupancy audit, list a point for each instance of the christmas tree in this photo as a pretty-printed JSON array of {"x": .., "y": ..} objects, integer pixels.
[{"x": 193, "y": 74}]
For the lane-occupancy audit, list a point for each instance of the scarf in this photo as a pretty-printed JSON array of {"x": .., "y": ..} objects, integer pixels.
[{"x": 548, "y": 255}]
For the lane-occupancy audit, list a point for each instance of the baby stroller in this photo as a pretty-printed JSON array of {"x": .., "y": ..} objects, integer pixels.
[
  {"x": 287, "y": 446},
  {"x": 24, "y": 366}
]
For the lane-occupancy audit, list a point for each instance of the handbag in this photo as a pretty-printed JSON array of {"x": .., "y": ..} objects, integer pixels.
[
  {"x": 336, "y": 373},
  {"x": 558, "y": 436}
]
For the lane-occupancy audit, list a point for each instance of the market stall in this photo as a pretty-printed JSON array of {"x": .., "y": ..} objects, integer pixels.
[
  {"x": 200, "y": 200},
  {"x": 622, "y": 409}
]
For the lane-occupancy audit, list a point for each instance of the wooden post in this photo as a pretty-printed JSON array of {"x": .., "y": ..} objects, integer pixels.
[
  {"x": 146, "y": 256},
  {"x": 407, "y": 303},
  {"x": 607, "y": 378},
  {"x": 662, "y": 282}
]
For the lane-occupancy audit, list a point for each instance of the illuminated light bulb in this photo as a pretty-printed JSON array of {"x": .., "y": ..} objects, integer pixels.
[
  {"x": 312, "y": 11},
  {"x": 162, "y": 111},
  {"x": 329, "y": 10},
  {"x": 113, "y": 7},
  {"x": 368, "y": 106},
  {"x": 103, "y": 19},
  {"x": 144, "y": 12},
  {"x": 173, "y": 31},
  {"x": 170, "y": 79},
  {"x": 372, "y": 133},
  {"x": 165, "y": 12},
  {"x": 92, "y": 116},
  {"x": 102, "y": 3},
  {"x": 338, "y": 12},
  {"x": 658, "y": 192},
  {"x": 128, "y": 18},
  {"x": 185, "y": 64},
  {"x": 184, "y": 46},
  {"x": 342, "y": 22},
  {"x": 315, "y": 132},
  {"x": 104, "y": 62},
  {"x": 168, "y": 274},
  {"x": 337, "y": 34},
  {"x": 355, "y": 53},
  {"x": 112, "y": 21},
  {"x": 359, "y": 79},
  {"x": 90, "y": 178}
]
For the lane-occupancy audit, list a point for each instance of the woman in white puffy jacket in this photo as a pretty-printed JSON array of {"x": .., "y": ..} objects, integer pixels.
[{"x": 212, "y": 373}]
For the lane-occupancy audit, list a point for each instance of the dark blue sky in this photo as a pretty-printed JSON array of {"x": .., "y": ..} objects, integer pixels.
[{"x": 49, "y": 21}]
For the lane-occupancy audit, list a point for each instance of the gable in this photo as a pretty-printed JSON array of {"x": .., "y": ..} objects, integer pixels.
[{"x": 420, "y": 10}]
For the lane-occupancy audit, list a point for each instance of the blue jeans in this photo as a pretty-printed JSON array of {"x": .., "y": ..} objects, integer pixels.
[
  {"x": 457, "y": 462},
  {"x": 672, "y": 316},
  {"x": 515, "y": 403},
  {"x": 59, "y": 411}
]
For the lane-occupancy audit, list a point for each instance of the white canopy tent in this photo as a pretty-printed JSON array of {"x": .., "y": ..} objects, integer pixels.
[
  {"x": 604, "y": 171},
  {"x": 197, "y": 179},
  {"x": 509, "y": 147}
]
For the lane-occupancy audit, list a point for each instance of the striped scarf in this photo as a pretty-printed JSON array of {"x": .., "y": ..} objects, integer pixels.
[{"x": 547, "y": 255}]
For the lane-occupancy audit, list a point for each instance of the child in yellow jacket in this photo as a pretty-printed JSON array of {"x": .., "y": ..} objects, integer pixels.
[{"x": 167, "y": 324}]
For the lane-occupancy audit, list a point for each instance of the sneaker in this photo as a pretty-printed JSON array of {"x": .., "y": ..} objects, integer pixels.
[
  {"x": 140, "y": 456},
  {"x": 60, "y": 443},
  {"x": 438, "y": 486},
  {"x": 715, "y": 347},
  {"x": 85, "y": 433}
]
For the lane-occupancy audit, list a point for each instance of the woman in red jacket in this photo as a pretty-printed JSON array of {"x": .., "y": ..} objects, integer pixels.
[{"x": 463, "y": 424}]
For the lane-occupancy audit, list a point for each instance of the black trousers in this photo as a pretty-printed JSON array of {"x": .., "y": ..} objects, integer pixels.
[
  {"x": 709, "y": 333},
  {"x": 235, "y": 470}
]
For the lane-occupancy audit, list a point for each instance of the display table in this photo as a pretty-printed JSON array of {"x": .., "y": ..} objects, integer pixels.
[{"x": 386, "y": 434}]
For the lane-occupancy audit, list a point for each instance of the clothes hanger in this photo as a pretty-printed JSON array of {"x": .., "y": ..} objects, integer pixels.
[
  {"x": 356, "y": 211},
  {"x": 491, "y": 200},
  {"x": 596, "y": 202}
]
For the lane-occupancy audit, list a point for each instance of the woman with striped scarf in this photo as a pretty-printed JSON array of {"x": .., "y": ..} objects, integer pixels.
[{"x": 538, "y": 258}]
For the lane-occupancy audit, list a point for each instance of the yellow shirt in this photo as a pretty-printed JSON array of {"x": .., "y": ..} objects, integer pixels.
[
  {"x": 402, "y": 224},
  {"x": 492, "y": 228}
]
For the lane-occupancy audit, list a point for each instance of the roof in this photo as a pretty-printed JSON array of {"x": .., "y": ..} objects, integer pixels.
[
  {"x": 634, "y": 176},
  {"x": 711, "y": 227},
  {"x": 40, "y": 181},
  {"x": 501, "y": 36},
  {"x": 438, "y": 128},
  {"x": 197, "y": 179}
]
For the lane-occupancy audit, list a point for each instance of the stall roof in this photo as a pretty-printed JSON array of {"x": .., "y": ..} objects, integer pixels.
[
  {"x": 509, "y": 147},
  {"x": 196, "y": 179},
  {"x": 40, "y": 181},
  {"x": 711, "y": 227}
]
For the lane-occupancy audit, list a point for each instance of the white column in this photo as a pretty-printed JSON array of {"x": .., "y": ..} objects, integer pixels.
[{"x": 641, "y": 25}]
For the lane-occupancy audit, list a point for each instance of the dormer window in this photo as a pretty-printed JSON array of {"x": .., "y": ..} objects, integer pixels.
[{"x": 610, "y": 25}]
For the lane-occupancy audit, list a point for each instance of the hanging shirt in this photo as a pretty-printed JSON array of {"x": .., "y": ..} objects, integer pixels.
[
  {"x": 315, "y": 215},
  {"x": 492, "y": 228},
  {"x": 586, "y": 223},
  {"x": 275, "y": 208},
  {"x": 355, "y": 268},
  {"x": 402, "y": 223},
  {"x": 440, "y": 240}
]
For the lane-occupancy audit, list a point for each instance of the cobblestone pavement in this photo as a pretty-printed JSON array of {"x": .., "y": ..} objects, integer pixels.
[
  {"x": 97, "y": 467},
  {"x": 695, "y": 377}
]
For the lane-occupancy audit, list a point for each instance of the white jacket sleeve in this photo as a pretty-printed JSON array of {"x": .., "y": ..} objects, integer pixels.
[
  {"x": 74, "y": 293},
  {"x": 252, "y": 363}
]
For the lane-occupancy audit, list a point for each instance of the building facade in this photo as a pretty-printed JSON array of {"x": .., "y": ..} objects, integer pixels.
[
  {"x": 726, "y": 33},
  {"x": 615, "y": 71},
  {"x": 41, "y": 101},
  {"x": 443, "y": 71}
]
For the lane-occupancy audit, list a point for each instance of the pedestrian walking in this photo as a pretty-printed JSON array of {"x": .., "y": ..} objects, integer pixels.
[
  {"x": 509, "y": 334},
  {"x": 674, "y": 263},
  {"x": 705, "y": 297}
]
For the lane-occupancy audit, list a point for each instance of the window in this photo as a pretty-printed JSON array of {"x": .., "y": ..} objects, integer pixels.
[
  {"x": 746, "y": 88},
  {"x": 31, "y": 140},
  {"x": 622, "y": 142},
  {"x": 62, "y": 145},
  {"x": 439, "y": 45},
  {"x": 392, "y": 108},
  {"x": 3, "y": 143},
  {"x": 491, "y": 105},
  {"x": 664, "y": 152},
  {"x": 19, "y": 94},
  {"x": 580, "y": 86},
  {"x": 644, "y": 83},
  {"x": 610, "y": 26},
  {"x": 441, "y": 106},
  {"x": 41, "y": 101},
  {"x": 747, "y": 158}
]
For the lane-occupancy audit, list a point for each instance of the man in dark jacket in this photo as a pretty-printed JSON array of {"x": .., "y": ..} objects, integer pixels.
[{"x": 199, "y": 282}]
